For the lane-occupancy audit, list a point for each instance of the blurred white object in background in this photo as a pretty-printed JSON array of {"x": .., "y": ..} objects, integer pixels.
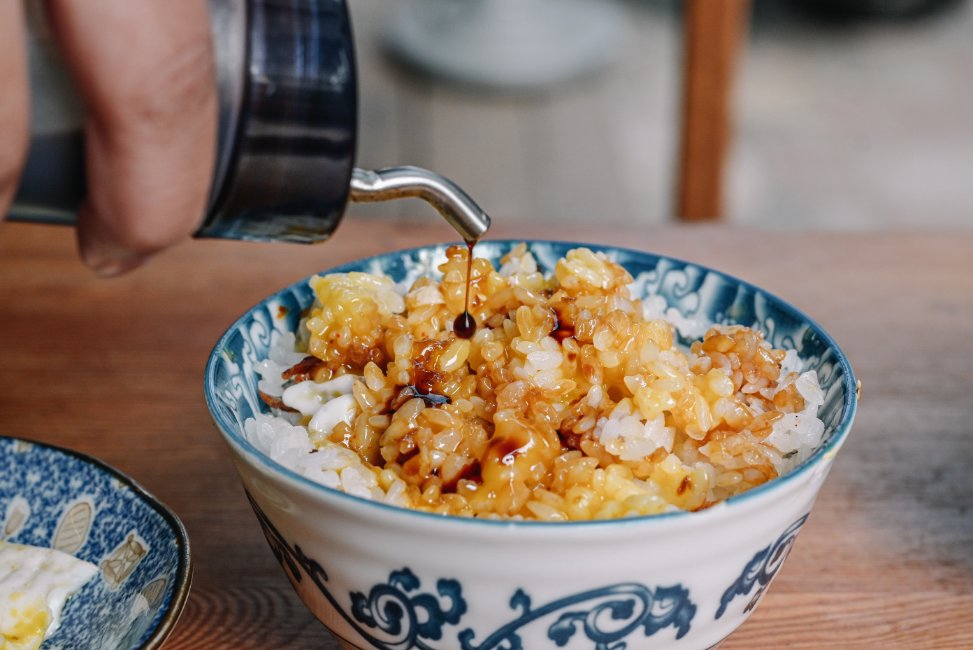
[{"x": 506, "y": 44}]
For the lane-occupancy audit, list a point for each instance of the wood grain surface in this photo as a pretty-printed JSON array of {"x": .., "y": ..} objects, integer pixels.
[{"x": 114, "y": 368}]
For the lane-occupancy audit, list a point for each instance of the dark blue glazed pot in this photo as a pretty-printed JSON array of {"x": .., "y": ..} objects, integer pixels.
[
  {"x": 286, "y": 133},
  {"x": 286, "y": 165}
]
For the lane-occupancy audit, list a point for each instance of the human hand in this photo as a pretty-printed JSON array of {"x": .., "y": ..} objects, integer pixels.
[{"x": 145, "y": 72}]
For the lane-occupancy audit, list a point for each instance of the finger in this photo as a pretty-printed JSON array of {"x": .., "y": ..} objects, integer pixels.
[
  {"x": 145, "y": 70},
  {"x": 14, "y": 101}
]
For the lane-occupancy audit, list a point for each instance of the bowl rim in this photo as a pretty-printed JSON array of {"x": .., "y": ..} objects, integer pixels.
[
  {"x": 184, "y": 568},
  {"x": 820, "y": 455}
]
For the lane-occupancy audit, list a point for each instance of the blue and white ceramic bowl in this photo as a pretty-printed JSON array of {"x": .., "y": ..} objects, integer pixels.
[
  {"x": 58, "y": 498},
  {"x": 382, "y": 577}
]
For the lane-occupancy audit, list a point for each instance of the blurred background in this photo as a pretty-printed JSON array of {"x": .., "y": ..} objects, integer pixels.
[{"x": 847, "y": 115}]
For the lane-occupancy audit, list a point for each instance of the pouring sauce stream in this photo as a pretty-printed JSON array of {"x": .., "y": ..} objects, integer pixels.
[{"x": 465, "y": 325}]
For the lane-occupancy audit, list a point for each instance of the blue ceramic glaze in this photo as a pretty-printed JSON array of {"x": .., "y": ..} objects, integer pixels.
[{"x": 62, "y": 499}]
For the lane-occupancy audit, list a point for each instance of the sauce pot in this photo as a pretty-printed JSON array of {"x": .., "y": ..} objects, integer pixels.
[{"x": 287, "y": 130}]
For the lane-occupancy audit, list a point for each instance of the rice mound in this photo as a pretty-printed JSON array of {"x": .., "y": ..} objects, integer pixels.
[{"x": 572, "y": 401}]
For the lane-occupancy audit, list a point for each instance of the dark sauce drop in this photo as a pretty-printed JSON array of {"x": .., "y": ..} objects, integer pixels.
[{"x": 465, "y": 325}]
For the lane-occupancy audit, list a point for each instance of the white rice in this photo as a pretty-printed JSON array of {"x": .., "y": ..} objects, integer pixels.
[{"x": 306, "y": 450}]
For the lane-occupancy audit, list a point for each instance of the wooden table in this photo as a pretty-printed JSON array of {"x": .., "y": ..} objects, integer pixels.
[{"x": 114, "y": 368}]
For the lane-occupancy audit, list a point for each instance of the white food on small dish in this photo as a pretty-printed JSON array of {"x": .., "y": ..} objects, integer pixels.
[{"x": 35, "y": 584}]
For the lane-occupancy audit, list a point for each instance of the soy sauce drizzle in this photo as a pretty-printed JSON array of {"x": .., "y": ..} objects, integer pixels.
[
  {"x": 561, "y": 329},
  {"x": 465, "y": 325},
  {"x": 408, "y": 392}
]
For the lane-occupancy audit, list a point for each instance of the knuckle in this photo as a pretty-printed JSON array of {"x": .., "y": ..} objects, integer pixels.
[
  {"x": 141, "y": 237},
  {"x": 146, "y": 220},
  {"x": 181, "y": 86},
  {"x": 145, "y": 236}
]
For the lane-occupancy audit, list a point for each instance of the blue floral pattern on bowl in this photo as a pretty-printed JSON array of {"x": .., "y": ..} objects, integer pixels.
[
  {"x": 58, "y": 498},
  {"x": 398, "y": 615},
  {"x": 761, "y": 569}
]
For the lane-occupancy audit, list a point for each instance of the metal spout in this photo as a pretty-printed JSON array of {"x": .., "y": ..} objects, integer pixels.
[{"x": 445, "y": 196}]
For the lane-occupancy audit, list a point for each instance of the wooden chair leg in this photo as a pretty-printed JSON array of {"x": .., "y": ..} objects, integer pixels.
[{"x": 714, "y": 32}]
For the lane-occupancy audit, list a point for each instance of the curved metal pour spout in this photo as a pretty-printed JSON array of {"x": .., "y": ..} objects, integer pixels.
[{"x": 445, "y": 196}]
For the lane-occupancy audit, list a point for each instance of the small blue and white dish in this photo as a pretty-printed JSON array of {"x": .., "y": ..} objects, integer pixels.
[
  {"x": 383, "y": 577},
  {"x": 59, "y": 498}
]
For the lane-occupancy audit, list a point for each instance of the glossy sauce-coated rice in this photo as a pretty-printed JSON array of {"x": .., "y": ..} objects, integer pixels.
[{"x": 571, "y": 401}]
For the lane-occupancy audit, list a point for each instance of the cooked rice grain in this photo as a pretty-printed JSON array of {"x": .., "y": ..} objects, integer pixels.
[{"x": 572, "y": 400}]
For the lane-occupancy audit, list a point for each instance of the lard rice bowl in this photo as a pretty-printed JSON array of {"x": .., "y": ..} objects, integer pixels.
[
  {"x": 622, "y": 453},
  {"x": 578, "y": 397}
]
